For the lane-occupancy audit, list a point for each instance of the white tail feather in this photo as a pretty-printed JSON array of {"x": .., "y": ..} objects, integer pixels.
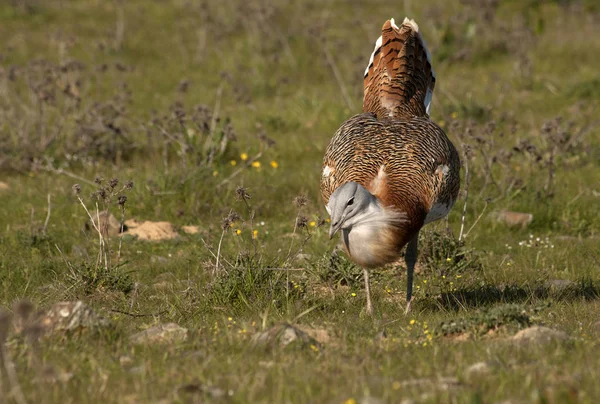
[{"x": 414, "y": 27}]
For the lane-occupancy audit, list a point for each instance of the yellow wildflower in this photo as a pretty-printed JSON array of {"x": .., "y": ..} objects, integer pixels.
[
  {"x": 312, "y": 223},
  {"x": 454, "y": 115},
  {"x": 256, "y": 164},
  {"x": 274, "y": 164},
  {"x": 353, "y": 294},
  {"x": 233, "y": 162},
  {"x": 412, "y": 322},
  {"x": 350, "y": 401},
  {"x": 215, "y": 173},
  {"x": 255, "y": 234},
  {"x": 448, "y": 259},
  {"x": 244, "y": 156},
  {"x": 396, "y": 384},
  {"x": 238, "y": 232}
]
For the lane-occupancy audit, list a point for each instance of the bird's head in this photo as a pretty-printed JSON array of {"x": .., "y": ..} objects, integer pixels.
[{"x": 348, "y": 205}]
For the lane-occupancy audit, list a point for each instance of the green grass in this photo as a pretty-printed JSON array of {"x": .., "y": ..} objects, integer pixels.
[{"x": 139, "y": 105}]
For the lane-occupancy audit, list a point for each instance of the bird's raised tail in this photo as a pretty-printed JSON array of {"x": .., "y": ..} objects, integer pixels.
[{"x": 399, "y": 79}]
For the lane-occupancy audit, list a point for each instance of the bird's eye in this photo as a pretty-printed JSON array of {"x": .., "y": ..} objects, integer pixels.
[{"x": 350, "y": 201}]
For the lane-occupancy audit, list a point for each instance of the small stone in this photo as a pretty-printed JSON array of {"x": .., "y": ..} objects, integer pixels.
[
  {"x": 154, "y": 231},
  {"x": 559, "y": 284},
  {"x": 125, "y": 360},
  {"x": 381, "y": 336},
  {"x": 477, "y": 369},
  {"x": 540, "y": 335},
  {"x": 513, "y": 218},
  {"x": 370, "y": 400},
  {"x": 284, "y": 335},
  {"x": 163, "y": 285},
  {"x": 71, "y": 316},
  {"x": 157, "y": 259},
  {"x": 303, "y": 257},
  {"x": 162, "y": 333},
  {"x": 210, "y": 391},
  {"x": 190, "y": 229}
]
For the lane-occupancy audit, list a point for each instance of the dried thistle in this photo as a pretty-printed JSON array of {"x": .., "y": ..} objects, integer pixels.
[
  {"x": 122, "y": 199},
  {"x": 231, "y": 218},
  {"x": 77, "y": 189},
  {"x": 5, "y": 319},
  {"x": 129, "y": 185},
  {"x": 301, "y": 221},
  {"x": 242, "y": 194},
  {"x": 300, "y": 201},
  {"x": 113, "y": 183},
  {"x": 99, "y": 180},
  {"x": 23, "y": 309}
]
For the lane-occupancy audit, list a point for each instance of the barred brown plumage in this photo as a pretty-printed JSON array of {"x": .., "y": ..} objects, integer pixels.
[{"x": 390, "y": 170}]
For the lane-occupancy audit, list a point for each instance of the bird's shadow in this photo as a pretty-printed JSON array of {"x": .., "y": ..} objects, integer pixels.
[{"x": 487, "y": 295}]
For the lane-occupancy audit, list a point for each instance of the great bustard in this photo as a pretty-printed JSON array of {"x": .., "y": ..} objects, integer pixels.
[{"x": 390, "y": 170}]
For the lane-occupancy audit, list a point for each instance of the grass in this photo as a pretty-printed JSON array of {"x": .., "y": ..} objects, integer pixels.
[{"x": 220, "y": 113}]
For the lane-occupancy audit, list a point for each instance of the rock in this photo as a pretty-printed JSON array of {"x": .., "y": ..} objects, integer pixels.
[
  {"x": 71, "y": 316},
  {"x": 190, "y": 229},
  {"x": 381, "y": 336},
  {"x": 439, "y": 383},
  {"x": 303, "y": 257},
  {"x": 125, "y": 360},
  {"x": 162, "y": 333},
  {"x": 4, "y": 186},
  {"x": 513, "y": 218},
  {"x": 559, "y": 284},
  {"x": 198, "y": 388},
  {"x": 157, "y": 259},
  {"x": 284, "y": 335},
  {"x": 370, "y": 400},
  {"x": 152, "y": 231},
  {"x": 477, "y": 369},
  {"x": 540, "y": 335},
  {"x": 108, "y": 223}
]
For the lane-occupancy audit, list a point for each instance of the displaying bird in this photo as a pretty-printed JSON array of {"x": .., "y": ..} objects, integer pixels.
[{"x": 390, "y": 170}]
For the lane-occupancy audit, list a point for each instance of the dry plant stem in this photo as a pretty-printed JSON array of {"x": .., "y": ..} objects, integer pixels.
[
  {"x": 285, "y": 262},
  {"x": 47, "y": 216},
  {"x": 338, "y": 78},
  {"x": 68, "y": 174},
  {"x": 550, "y": 181},
  {"x": 213, "y": 122},
  {"x": 97, "y": 228},
  {"x": 120, "y": 27},
  {"x": 219, "y": 252},
  {"x": 103, "y": 245},
  {"x": 122, "y": 224},
  {"x": 476, "y": 220},
  {"x": 239, "y": 170},
  {"x": 251, "y": 216},
  {"x": 464, "y": 211},
  {"x": 9, "y": 366}
]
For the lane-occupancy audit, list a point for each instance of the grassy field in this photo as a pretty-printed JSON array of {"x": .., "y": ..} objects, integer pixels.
[{"x": 219, "y": 114}]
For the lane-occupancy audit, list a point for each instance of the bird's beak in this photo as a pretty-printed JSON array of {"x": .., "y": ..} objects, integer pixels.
[{"x": 334, "y": 229}]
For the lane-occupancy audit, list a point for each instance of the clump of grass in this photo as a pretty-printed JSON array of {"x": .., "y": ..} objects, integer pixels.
[
  {"x": 106, "y": 272},
  {"x": 336, "y": 269},
  {"x": 444, "y": 255}
]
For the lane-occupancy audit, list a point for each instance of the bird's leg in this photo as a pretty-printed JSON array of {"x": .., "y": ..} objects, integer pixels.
[
  {"x": 368, "y": 292},
  {"x": 411, "y": 259}
]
